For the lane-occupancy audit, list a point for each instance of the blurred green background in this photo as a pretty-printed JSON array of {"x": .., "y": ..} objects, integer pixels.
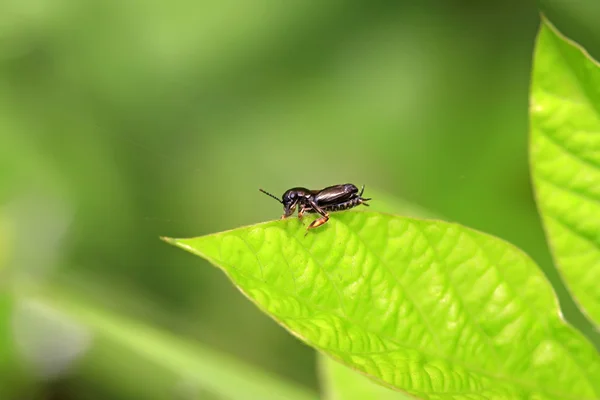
[{"x": 124, "y": 121}]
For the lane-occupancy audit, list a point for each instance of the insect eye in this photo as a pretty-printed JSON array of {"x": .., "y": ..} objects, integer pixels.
[{"x": 287, "y": 197}]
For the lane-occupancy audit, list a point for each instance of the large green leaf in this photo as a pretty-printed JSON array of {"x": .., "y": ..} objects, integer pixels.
[
  {"x": 565, "y": 159},
  {"x": 432, "y": 308},
  {"x": 339, "y": 381}
]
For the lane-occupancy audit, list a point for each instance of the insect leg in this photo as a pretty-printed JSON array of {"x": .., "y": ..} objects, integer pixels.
[
  {"x": 301, "y": 211},
  {"x": 320, "y": 221}
]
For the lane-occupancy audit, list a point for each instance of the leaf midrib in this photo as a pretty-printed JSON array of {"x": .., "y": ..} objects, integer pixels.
[
  {"x": 409, "y": 294},
  {"x": 468, "y": 312}
]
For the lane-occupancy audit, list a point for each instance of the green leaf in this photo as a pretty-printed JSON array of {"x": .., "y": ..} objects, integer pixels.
[
  {"x": 342, "y": 383},
  {"x": 166, "y": 363},
  {"x": 338, "y": 380},
  {"x": 432, "y": 308},
  {"x": 565, "y": 160}
]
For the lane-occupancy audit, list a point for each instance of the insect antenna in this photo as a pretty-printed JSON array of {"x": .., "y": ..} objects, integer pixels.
[{"x": 269, "y": 194}]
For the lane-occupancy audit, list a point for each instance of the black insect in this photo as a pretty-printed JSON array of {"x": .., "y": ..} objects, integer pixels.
[{"x": 332, "y": 198}]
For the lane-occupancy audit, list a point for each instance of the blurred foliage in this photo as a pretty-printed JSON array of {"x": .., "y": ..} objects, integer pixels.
[
  {"x": 178, "y": 367},
  {"x": 124, "y": 121}
]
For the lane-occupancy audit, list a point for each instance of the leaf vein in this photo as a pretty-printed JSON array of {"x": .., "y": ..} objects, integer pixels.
[
  {"x": 567, "y": 189},
  {"x": 566, "y": 150}
]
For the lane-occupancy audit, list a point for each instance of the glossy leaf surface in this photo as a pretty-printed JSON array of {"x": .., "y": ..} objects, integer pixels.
[
  {"x": 340, "y": 382},
  {"x": 431, "y": 308},
  {"x": 565, "y": 159}
]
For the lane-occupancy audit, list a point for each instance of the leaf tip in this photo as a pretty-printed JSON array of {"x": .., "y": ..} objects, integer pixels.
[
  {"x": 180, "y": 243},
  {"x": 168, "y": 240}
]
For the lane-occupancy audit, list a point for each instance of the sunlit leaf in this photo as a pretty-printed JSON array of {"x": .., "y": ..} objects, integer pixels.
[
  {"x": 339, "y": 381},
  {"x": 432, "y": 308},
  {"x": 565, "y": 158}
]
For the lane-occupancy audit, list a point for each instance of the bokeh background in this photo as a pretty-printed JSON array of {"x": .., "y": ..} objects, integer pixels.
[{"x": 121, "y": 121}]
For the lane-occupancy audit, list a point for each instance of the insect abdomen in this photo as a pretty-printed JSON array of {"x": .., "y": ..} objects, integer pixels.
[{"x": 343, "y": 206}]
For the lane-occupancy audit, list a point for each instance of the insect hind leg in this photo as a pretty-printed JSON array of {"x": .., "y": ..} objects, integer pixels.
[{"x": 317, "y": 222}]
